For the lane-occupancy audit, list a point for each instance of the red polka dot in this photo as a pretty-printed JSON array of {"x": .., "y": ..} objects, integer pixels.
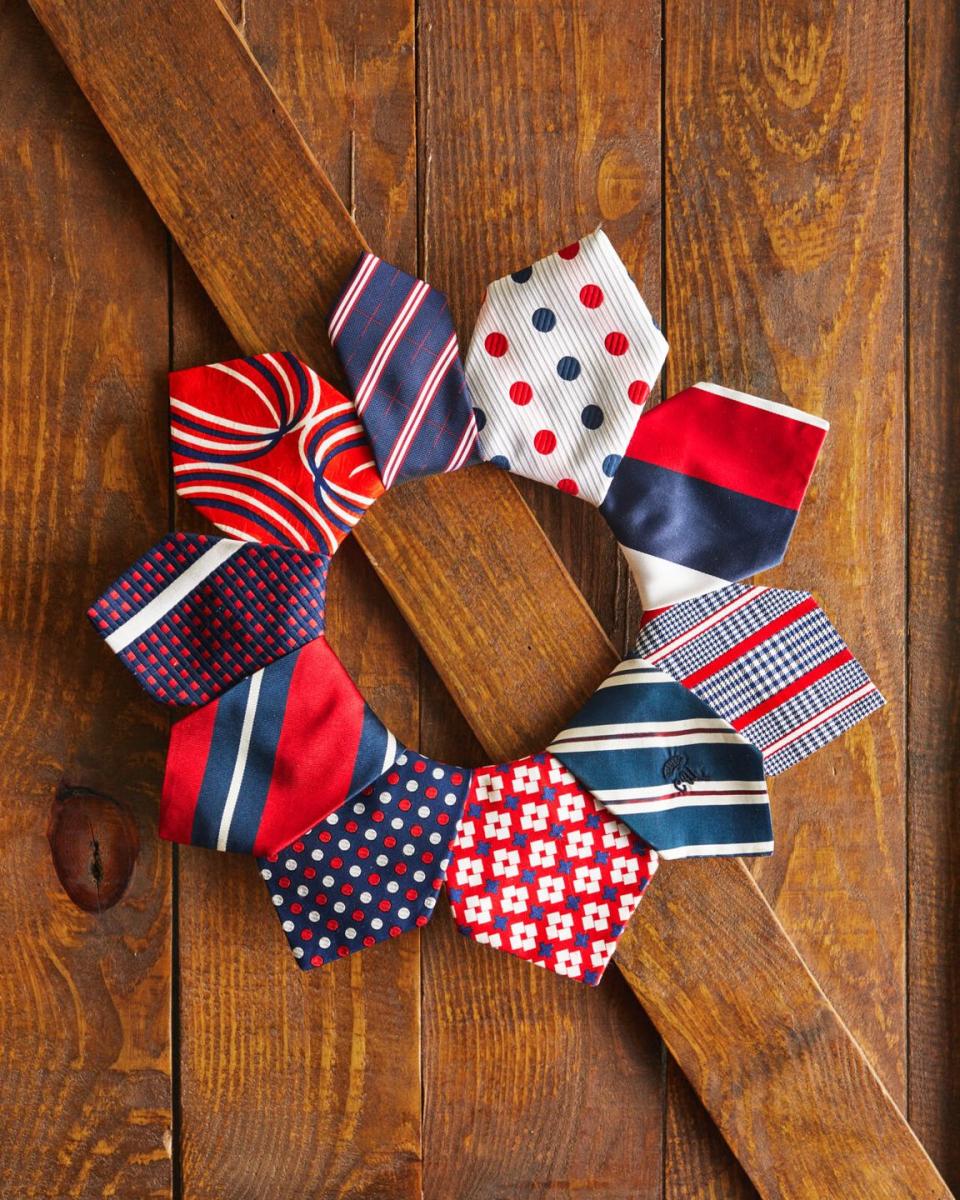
[
  {"x": 342, "y": 951},
  {"x": 419, "y": 766},
  {"x": 570, "y": 251},
  {"x": 520, "y": 392},
  {"x": 616, "y": 343},
  {"x": 591, "y": 296},
  {"x": 306, "y": 934},
  {"x": 569, "y": 486},
  {"x": 316, "y": 961},
  {"x": 456, "y": 778},
  {"x": 384, "y": 905},
  {"x": 545, "y": 441},
  {"x": 395, "y": 931},
  {"x": 422, "y": 920},
  {"x": 495, "y": 344},
  {"x": 638, "y": 391},
  {"x": 369, "y": 941}
]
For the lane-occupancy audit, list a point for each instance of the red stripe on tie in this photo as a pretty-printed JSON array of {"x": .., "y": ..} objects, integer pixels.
[
  {"x": 792, "y": 689},
  {"x": 730, "y": 443},
  {"x": 190, "y": 741},
  {"x": 316, "y": 750},
  {"x": 761, "y": 635}
]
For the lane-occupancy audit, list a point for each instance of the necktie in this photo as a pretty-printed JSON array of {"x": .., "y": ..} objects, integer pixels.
[
  {"x": 768, "y": 660},
  {"x": 541, "y": 871},
  {"x": 270, "y": 452},
  {"x": 668, "y": 766},
  {"x": 562, "y": 359},
  {"x": 396, "y": 341},
  {"x": 273, "y": 756},
  {"x": 373, "y": 868},
  {"x": 708, "y": 490},
  {"x": 196, "y": 614}
]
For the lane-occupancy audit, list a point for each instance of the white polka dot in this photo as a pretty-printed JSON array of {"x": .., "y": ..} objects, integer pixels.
[
  {"x": 429, "y": 902},
  {"x": 278, "y": 900},
  {"x": 332, "y": 819},
  {"x": 402, "y": 760},
  {"x": 434, "y": 839},
  {"x": 302, "y": 890},
  {"x": 354, "y": 871},
  {"x": 359, "y": 807},
  {"x": 370, "y": 835},
  {"x": 423, "y": 811},
  {"x": 266, "y": 873},
  {"x": 396, "y": 823},
  {"x": 419, "y": 876},
  {"x": 339, "y": 906},
  {"x": 288, "y": 927},
  {"x": 444, "y": 862},
  {"x": 403, "y": 913},
  {"x": 437, "y": 773},
  {"x": 365, "y": 897},
  {"x": 350, "y": 933},
  {"x": 344, "y": 844},
  {"x": 382, "y": 860},
  {"x": 317, "y": 854},
  {"x": 408, "y": 849},
  {"x": 385, "y": 797},
  {"x": 450, "y": 798},
  {"x": 291, "y": 864},
  {"x": 412, "y": 785},
  {"x": 327, "y": 881},
  {"x": 393, "y": 886},
  {"x": 298, "y": 952},
  {"x": 323, "y": 943},
  {"x": 313, "y": 915},
  {"x": 376, "y": 923}
]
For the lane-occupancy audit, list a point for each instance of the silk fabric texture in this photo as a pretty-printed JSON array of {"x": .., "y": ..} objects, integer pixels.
[{"x": 545, "y": 857}]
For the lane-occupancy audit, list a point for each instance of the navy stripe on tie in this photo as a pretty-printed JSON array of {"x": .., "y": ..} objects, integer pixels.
[
  {"x": 377, "y": 752},
  {"x": 722, "y": 830},
  {"x": 242, "y": 751},
  {"x": 699, "y": 525}
]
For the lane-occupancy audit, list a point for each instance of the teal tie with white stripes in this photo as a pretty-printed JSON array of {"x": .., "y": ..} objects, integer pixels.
[{"x": 668, "y": 766}]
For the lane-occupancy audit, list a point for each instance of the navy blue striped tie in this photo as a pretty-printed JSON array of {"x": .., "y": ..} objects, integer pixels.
[
  {"x": 397, "y": 344},
  {"x": 666, "y": 765}
]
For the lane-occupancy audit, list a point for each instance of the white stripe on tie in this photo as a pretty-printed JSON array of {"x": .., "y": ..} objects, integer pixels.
[
  {"x": 171, "y": 596},
  {"x": 240, "y": 763},
  {"x": 719, "y": 850}
]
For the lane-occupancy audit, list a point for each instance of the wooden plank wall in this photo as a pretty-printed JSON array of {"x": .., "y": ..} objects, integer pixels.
[{"x": 748, "y": 161}]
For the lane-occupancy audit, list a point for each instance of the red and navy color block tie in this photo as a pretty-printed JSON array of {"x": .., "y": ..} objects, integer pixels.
[
  {"x": 663, "y": 761},
  {"x": 273, "y": 756},
  {"x": 372, "y": 869},
  {"x": 708, "y": 490},
  {"x": 196, "y": 613},
  {"x": 768, "y": 660},
  {"x": 269, "y": 451},
  {"x": 540, "y": 870},
  {"x": 396, "y": 341}
]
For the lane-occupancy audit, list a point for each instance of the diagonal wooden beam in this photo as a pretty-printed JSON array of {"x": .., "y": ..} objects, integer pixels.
[{"x": 228, "y": 172}]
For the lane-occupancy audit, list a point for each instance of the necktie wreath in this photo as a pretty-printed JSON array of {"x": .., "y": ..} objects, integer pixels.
[{"x": 279, "y": 756}]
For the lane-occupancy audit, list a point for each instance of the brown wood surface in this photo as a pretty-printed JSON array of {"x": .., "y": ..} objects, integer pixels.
[
  {"x": 294, "y": 1115},
  {"x": 85, "y": 1091},
  {"x": 934, "y": 578}
]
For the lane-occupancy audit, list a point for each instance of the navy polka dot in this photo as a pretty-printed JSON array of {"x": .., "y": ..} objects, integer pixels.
[
  {"x": 480, "y": 417},
  {"x": 522, "y": 276},
  {"x": 610, "y": 464},
  {"x": 592, "y": 416},
  {"x": 568, "y": 367},
  {"x": 500, "y": 460},
  {"x": 544, "y": 320}
]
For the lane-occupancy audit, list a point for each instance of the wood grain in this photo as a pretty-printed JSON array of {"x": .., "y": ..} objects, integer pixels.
[
  {"x": 568, "y": 155},
  {"x": 111, "y": 68},
  {"x": 85, "y": 1098},
  {"x": 784, "y": 218},
  {"x": 934, "y": 526},
  {"x": 336, "y": 1110}
]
